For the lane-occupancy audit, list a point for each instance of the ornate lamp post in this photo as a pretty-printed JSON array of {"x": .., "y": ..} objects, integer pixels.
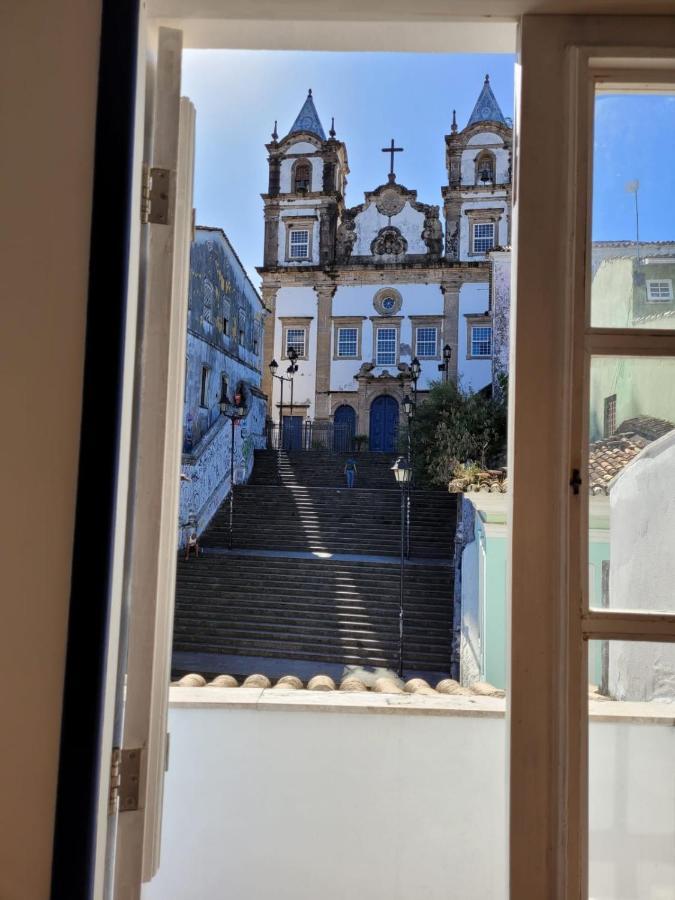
[
  {"x": 273, "y": 366},
  {"x": 445, "y": 365},
  {"x": 232, "y": 413},
  {"x": 415, "y": 372},
  {"x": 402, "y": 473}
]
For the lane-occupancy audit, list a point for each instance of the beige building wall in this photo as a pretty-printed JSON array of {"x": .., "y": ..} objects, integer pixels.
[{"x": 49, "y": 57}]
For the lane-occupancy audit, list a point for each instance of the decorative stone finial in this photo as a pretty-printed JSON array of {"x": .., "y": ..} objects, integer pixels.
[
  {"x": 309, "y": 93},
  {"x": 274, "y": 132},
  {"x": 487, "y": 79},
  {"x": 332, "y": 127},
  {"x": 454, "y": 122}
]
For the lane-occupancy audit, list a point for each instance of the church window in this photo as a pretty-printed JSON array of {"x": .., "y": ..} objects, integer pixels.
[
  {"x": 386, "y": 346},
  {"x": 223, "y": 388},
  {"x": 659, "y": 290},
  {"x": 388, "y": 303},
  {"x": 299, "y": 243},
  {"x": 302, "y": 176},
  {"x": 481, "y": 340},
  {"x": 204, "y": 388},
  {"x": 347, "y": 342},
  {"x": 295, "y": 340},
  {"x": 427, "y": 341},
  {"x": 483, "y": 236},
  {"x": 225, "y": 326}
]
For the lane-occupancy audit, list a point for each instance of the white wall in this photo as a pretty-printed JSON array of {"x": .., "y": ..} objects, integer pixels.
[
  {"x": 642, "y": 568},
  {"x": 472, "y": 202},
  {"x": 473, "y": 373},
  {"x": 409, "y": 221},
  {"x": 309, "y": 804},
  {"x": 285, "y": 185},
  {"x": 287, "y": 214},
  {"x": 296, "y": 301}
]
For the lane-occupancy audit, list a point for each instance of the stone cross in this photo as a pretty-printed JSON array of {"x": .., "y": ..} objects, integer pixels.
[{"x": 391, "y": 150}]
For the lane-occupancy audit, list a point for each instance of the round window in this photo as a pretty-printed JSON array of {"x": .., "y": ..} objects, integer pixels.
[{"x": 388, "y": 303}]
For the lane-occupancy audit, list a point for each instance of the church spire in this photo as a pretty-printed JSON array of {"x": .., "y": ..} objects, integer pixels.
[
  {"x": 308, "y": 119},
  {"x": 486, "y": 108}
]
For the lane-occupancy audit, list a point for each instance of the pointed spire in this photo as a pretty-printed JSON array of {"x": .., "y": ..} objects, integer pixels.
[
  {"x": 274, "y": 132},
  {"x": 308, "y": 119},
  {"x": 331, "y": 133},
  {"x": 453, "y": 127},
  {"x": 486, "y": 108}
]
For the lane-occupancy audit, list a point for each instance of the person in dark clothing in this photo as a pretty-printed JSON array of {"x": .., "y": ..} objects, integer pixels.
[{"x": 350, "y": 472}]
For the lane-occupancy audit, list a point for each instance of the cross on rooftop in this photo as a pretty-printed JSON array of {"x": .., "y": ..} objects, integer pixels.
[{"x": 391, "y": 150}]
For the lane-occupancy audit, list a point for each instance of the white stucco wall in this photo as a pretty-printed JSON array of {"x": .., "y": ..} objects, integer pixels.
[
  {"x": 642, "y": 568},
  {"x": 302, "y": 804},
  {"x": 470, "y": 654},
  {"x": 473, "y": 373},
  {"x": 296, "y": 301},
  {"x": 410, "y": 222},
  {"x": 357, "y": 300}
]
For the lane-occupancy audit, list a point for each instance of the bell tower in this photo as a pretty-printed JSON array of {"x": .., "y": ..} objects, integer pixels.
[
  {"x": 477, "y": 197},
  {"x": 305, "y": 196}
]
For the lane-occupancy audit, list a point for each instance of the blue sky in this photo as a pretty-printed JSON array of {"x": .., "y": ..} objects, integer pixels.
[
  {"x": 634, "y": 139},
  {"x": 373, "y": 96},
  {"x": 410, "y": 97}
]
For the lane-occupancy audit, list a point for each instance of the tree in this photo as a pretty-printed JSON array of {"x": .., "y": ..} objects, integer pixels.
[{"x": 454, "y": 427}]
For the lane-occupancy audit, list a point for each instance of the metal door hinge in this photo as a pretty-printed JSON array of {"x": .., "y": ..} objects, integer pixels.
[
  {"x": 575, "y": 481},
  {"x": 125, "y": 770},
  {"x": 155, "y": 195}
]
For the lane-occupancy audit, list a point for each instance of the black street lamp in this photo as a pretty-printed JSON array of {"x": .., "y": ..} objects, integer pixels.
[
  {"x": 415, "y": 372},
  {"x": 402, "y": 473},
  {"x": 445, "y": 365},
  {"x": 292, "y": 369},
  {"x": 231, "y": 413}
]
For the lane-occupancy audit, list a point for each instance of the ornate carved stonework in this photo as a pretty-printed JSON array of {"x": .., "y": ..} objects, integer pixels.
[
  {"x": 346, "y": 235},
  {"x": 390, "y": 202},
  {"x": 387, "y": 301},
  {"x": 389, "y": 242},
  {"x": 432, "y": 235}
]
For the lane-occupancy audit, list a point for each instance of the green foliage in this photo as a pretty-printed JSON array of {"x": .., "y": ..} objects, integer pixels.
[{"x": 454, "y": 427}]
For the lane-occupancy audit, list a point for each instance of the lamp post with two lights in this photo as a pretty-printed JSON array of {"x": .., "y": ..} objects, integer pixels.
[{"x": 291, "y": 370}]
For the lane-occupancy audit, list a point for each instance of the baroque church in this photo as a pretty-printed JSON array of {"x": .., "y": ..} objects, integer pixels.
[{"x": 367, "y": 295}]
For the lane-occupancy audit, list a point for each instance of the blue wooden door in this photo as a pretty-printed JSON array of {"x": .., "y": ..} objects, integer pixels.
[
  {"x": 344, "y": 422},
  {"x": 292, "y": 433},
  {"x": 383, "y": 424}
]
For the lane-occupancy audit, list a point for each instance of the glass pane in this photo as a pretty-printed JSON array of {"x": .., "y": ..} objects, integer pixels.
[
  {"x": 631, "y": 771},
  {"x": 631, "y": 477},
  {"x": 633, "y": 252}
]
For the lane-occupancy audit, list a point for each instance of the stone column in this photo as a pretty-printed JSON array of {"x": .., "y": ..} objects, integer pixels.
[
  {"x": 271, "y": 249},
  {"x": 452, "y": 209},
  {"x": 324, "y": 303},
  {"x": 450, "y": 288},
  {"x": 269, "y": 296}
]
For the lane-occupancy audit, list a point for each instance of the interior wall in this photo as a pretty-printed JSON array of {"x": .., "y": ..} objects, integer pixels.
[{"x": 49, "y": 57}]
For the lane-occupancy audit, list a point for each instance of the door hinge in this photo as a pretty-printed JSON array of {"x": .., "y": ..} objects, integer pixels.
[
  {"x": 155, "y": 195},
  {"x": 575, "y": 481},
  {"x": 125, "y": 771}
]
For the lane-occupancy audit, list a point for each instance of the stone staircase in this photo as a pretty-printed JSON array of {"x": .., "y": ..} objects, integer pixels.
[{"x": 314, "y": 570}]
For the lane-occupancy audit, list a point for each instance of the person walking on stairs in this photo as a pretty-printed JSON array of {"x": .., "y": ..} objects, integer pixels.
[{"x": 350, "y": 472}]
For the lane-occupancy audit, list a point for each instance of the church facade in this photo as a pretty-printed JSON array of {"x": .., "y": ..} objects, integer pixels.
[{"x": 359, "y": 293}]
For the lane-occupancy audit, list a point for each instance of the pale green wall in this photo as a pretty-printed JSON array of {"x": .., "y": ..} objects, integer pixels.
[{"x": 643, "y": 387}]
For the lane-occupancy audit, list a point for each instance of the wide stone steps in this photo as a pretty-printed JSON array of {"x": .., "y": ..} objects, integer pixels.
[
  {"x": 315, "y": 610},
  {"x": 322, "y": 469}
]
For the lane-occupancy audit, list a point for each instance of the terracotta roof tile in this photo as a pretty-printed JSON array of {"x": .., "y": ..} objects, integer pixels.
[{"x": 608, "y": 457}]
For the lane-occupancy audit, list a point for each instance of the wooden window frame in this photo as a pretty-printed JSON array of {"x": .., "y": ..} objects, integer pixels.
[
  {"x": 418, "y": 322},
  {"x": 348, "y": 322},
  {"x": 298, "y": 223},
  {"x": 548, "y": 427},
  {"x": 386, "y": 322},
  {"x": 294, "y": 322}
]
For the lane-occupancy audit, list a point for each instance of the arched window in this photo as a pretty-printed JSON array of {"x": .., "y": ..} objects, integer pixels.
[
  {"x": 485, "y": 168},
  {"x": 302, "y": 176}
]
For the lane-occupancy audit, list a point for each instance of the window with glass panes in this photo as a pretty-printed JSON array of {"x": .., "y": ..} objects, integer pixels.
[
  {"x": 481, "y": 340},
  {"x": 347, "y": 342},
  {"x": 427, "y": 339},
  {"x": 659, "y": 290},
  {"x": 483, "y": 236},
  {"x": 295, "y": 340},
  {"x": 386, "y": 346},
  {"x": 299, "y": 243}
]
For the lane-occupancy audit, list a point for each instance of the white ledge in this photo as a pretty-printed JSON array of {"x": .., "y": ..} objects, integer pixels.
[{"x": 276, "y": 699}]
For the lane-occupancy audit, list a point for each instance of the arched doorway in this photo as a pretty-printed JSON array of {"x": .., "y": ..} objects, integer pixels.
[
  {"x": 344, "y": 422},
  {"x": 383, "y": 424}
]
